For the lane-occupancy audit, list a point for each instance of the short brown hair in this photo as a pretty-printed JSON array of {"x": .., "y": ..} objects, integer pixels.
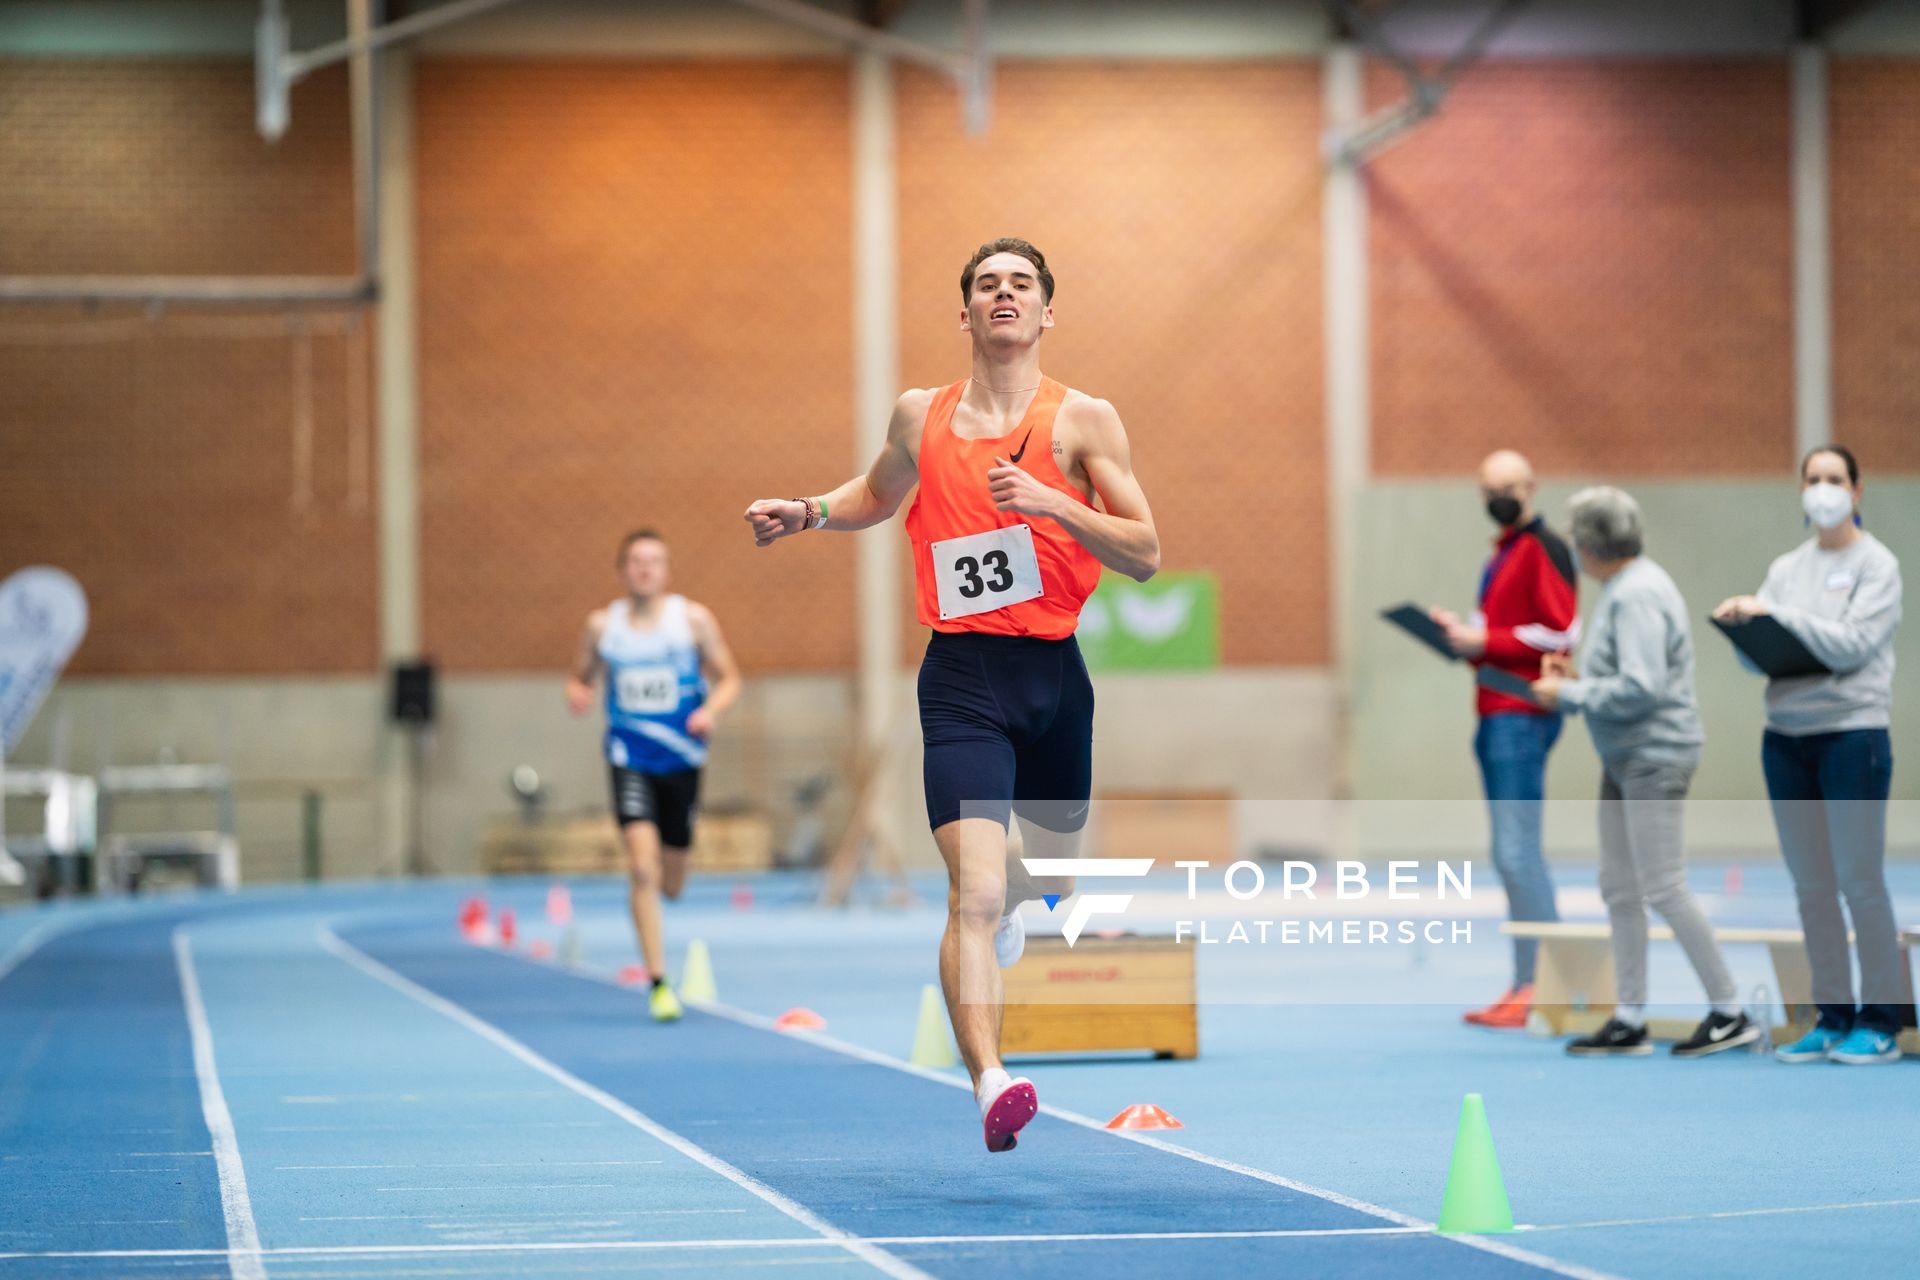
[
  {"x": 638, "y": 535},
  {"x": 1839, "y": 451},
  {"x": 1008, "y": 244}
]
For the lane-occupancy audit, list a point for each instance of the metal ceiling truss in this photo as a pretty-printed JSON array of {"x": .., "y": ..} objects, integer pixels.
[{"x": 1426, "y": 91}]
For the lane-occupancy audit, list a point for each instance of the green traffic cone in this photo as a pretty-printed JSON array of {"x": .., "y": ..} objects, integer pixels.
[
  {"x": 931, "y": 1045},
  {"x": 696, "y": 975},
  {"x": 1476, "y": 1201}
]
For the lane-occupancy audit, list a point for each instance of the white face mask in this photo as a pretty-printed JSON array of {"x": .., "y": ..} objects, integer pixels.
[{"x": 1827, "y": 505}]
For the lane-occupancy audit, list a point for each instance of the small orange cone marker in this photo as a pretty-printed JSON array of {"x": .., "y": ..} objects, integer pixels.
[{"x": 1144, "y": 1115}]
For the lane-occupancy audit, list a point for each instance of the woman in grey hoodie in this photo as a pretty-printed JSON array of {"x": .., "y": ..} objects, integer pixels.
[
  {"x": 1636, "y": 691},
  {"x": 1829, "y": 760}
]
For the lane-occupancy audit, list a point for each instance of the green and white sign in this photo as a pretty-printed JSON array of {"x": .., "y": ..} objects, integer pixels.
[{"x": 1171, "y": 623}]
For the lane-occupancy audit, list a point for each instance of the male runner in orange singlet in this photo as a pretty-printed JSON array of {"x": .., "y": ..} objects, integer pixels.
[{"x": 1007, "y": 545}]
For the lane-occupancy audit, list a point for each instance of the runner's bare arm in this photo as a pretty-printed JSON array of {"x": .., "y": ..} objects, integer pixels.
[
  {"x": 586, "y": 665},
  {"x": 863, "y": 501},
  {"x": 717, "y": 661},
  {"x": 1122, "y": 537}
]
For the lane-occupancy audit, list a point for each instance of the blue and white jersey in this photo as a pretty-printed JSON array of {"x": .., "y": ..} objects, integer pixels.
[{"x": 653, "y": 685}]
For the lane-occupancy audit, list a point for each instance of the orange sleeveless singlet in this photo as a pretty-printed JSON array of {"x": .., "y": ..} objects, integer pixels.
[{"x": 953, "y": 502}]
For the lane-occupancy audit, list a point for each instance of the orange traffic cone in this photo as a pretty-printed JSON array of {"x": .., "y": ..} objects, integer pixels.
[
  {"x": 541, "y": 950},
  {"x": 560, "y": 905},
  {"x": 1144, "y": 1115},
  {"x": 508, "y": 931},
  {"x": 800, "y": 1020},
  {"x": 633, "y": 975}
]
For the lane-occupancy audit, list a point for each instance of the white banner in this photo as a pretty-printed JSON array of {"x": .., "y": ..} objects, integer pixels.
[{"x": 43, "y": 615}]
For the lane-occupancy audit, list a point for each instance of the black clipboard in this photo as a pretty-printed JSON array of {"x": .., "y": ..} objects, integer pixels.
[
  {"x": 1506, "y": 682},
  {"x": 1772, "y": 648},
  {"x": 1414, "y": 620}
]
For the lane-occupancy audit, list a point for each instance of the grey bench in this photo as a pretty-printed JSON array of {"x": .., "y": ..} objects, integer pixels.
[{"x": 1573, "y": 991}]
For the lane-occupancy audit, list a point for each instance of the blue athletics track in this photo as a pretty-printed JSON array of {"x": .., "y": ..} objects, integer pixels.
[{"x": 333, "y": 1083}]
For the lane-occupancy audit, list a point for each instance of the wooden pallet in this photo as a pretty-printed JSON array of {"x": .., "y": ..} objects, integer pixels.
[
  {"x": 1103, "y": 993},
  {"x": 1573, "y": 992},
  {"x": 1167, "y": 826},
  {"x": 730, "y": 842}
]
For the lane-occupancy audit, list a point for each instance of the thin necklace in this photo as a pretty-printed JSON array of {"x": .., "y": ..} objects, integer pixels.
[{"x": 1017, "y": 392}]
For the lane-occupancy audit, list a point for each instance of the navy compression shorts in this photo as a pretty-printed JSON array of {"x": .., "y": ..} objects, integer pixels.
[{"x": 1008, "y": 722}]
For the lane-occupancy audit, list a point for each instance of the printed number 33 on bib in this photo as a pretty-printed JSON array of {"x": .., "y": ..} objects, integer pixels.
[{"x": 985, "y": 571}]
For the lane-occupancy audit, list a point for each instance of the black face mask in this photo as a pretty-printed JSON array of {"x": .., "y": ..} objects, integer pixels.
[{"x": 1504, "y": 510}]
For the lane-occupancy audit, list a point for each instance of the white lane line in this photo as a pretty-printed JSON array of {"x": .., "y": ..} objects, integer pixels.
[
  {"x": 487, "y": 1164},
  {"x": 511, "y": 1186},
  {"x": 1573, "y": 1271},
  {"x": 801, "y": 1242},
  {"x": 243, "y": 1239},
  {"x": 490, "y": 1125},
  {"x": 475, "y": 1219},
  {"x": 877, "y": 1258},
  {"x": 1723, "y": 1213},
  {"x": 28, "y": 943},
  {"x": 791, "y": 1242}
]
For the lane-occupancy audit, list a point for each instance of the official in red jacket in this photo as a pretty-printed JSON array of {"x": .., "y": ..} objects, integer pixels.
[{"x": 1528, "y": 609}]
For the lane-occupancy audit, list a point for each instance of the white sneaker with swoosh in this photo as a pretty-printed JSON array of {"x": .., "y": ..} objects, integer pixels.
[{"x": 1010, "y": 939}]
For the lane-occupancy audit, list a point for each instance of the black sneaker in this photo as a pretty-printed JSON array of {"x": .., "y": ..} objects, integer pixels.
[
  {"x": 1717, "y": 1032},
  {"x": 1614, "y": 1040}
]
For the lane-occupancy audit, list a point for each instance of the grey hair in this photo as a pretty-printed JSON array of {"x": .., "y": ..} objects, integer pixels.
[{"x": 1606, "y": 523}]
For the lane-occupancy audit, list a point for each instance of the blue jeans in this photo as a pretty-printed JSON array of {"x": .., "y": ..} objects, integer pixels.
[
  {"x": 1512, "y": 748},
  {"x": 1829, "y": 794}
]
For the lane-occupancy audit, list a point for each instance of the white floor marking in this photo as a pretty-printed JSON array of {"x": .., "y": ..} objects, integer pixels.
[
  {"x": 243, "y": 1239},
  {"x": 1484, "y": 1243},
  {"x": 475, "y": 1219},
  {"x": 778, "y": 1242},
  {"x": 1723, "y": 1213},
  {"x": 485, "y": 1164},
  {"x": 28, "y": 943},
  {"x": 873, "y": 1256}
]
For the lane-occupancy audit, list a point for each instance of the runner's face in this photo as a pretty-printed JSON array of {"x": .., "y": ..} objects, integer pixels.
[
  {"x": 1007, "y": 306},
  {"x": 645, "y": 568}
]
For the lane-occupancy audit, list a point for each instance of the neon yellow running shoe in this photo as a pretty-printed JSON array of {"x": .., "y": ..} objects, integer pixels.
[{"x": 665, "y": 1005}]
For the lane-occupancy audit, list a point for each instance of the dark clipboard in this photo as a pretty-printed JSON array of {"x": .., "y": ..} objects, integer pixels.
[
  {"x": 1415, "y": 621},
  {"x": 1506, "y": 682},
  {"x": 1772, "y": 648}
]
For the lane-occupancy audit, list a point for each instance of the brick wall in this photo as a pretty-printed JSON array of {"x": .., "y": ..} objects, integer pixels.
[
  {"x": 1179, "y": 206},
  {"x": 635, "y": 308},
  {"x": 157, "y": 460},
  {"x": 635, "y": 286},
  {"x": 1591, "y": 263},
  {"x": 1875, "y": 175}
]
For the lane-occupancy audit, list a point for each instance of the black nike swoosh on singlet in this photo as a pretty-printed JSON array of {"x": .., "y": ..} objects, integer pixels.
[{"x": 1015, "y": 455}]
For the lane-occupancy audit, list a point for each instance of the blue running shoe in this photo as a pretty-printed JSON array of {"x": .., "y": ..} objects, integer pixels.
[
  {"x": 1811, "y": 1047},
  {"x": 1864, "y": 1045}
]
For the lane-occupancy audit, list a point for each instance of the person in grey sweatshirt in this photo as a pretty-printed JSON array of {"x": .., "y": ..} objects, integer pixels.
[
  {"x": 1636, "y": 692},
  {"x": 1828, "y": 759}
]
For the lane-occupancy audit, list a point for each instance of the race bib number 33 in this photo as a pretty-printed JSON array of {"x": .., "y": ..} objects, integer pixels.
[{"x": 985, "y": 571}]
